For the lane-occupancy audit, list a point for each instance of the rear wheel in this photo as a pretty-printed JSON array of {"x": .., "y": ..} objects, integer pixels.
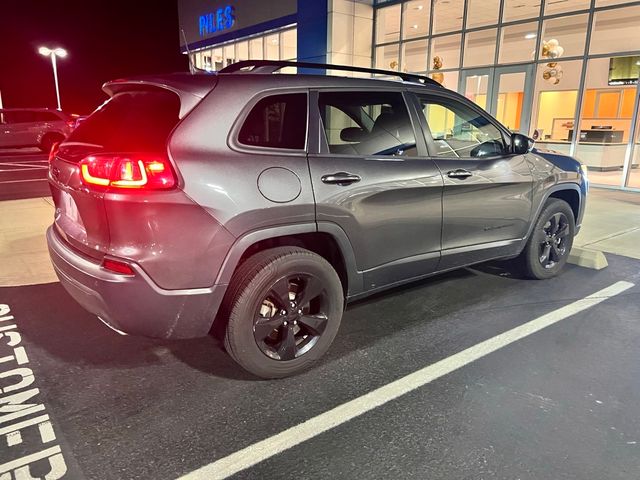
[
  {"x": 550, "y": 242},
  {"x": 48, "y": 140},
  {"x": 284, "y": 307}
]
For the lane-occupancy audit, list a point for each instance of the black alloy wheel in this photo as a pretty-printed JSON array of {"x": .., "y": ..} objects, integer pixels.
[
  {"x": 554, "y": 244},
  {"x": 292, "y": 317},
  {"x": 283, "y": 309},
  {"x": 548, "y": 247}
]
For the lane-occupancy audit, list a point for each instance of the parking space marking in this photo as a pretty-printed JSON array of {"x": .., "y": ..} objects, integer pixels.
[
  {"x": 20, "y": 181},
  {"x": 269, "y": 447}
]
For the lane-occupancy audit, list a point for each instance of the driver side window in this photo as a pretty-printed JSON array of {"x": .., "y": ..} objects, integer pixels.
[{"x": 458, "y": 131}]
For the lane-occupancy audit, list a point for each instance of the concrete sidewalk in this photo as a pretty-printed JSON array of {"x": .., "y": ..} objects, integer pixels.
[{"x": 611, "y": 224}]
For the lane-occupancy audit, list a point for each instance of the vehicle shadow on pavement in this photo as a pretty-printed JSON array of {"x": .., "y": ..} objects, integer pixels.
[{"x": 51, "y": 321}]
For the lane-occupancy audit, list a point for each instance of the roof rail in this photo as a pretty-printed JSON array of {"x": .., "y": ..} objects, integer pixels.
[{"x": 270, "y": 66}]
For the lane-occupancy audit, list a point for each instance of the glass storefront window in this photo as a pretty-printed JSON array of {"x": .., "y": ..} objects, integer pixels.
[
  {"x": 615, "y": 30},
  {"x": 388, "y": 24},
  {"x": 604, "y": 3},
  {"x": 242, "y": 51},
  {"x": 605, "y": 123},
  {"x": 448, "y": 49},
  {"x": 414, "y": 56},
  {"x": 255, "y": 49},
  {"x": 553, "y": 8},
  {"x": 387, "y": 57},
  {"x": 519, "y": 10},
  {"x": 518, "y": 42},
  {"x": 272, "y": 47},
  {"x": 289, "y": 43},
  {"x": 570, "y": 32},
  {"x": 449, "y": 79},
  {"x": 554, "y": 104},
  {"x": 415, "y": 19},
  {"x": 229, "y": 54},
  {"x": 482, "y": 12},
  {"x": 447, "y": 17},
  {"x": 476, "y": 89},
  {"x": 480, "y": 48},
  {"x": 217, "y": 59}
]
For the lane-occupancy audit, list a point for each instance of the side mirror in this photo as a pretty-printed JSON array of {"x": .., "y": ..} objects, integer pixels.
[
  {"x": 521, "y": 144},
  {"x": 352, "y": 134}
]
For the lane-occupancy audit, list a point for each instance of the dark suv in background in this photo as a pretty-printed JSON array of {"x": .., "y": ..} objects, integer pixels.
[
  {"x": 263, "y": 203},
  {"x": 33, "y": 127}
]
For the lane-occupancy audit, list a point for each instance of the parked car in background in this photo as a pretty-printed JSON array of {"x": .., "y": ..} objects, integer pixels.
[
  {"x": 34, "y": 127},
  {"x": 261, "y": 204}
]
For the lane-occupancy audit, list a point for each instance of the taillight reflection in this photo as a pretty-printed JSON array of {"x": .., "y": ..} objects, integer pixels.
[
  {"x": 132, "y": 171},
  {"x": 54, "y": 151}
]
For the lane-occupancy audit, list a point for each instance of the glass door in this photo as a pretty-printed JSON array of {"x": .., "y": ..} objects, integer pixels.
[
  {"x": 512, "y": 96},
  {"x": 505, "y": 92},
  {"x": 476, "y": 86}
]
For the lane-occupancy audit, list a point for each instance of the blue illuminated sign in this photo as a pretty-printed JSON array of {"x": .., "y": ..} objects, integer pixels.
[{"x": 221, "y": 19}]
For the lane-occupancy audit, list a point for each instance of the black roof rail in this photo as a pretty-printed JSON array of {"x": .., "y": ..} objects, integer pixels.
[{"x": 270, "y": 66}]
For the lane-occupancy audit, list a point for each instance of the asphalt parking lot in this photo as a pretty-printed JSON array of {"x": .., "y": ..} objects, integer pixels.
[
  {"x": 561, "y": 403},
  {"x": 23, "y": 174}
]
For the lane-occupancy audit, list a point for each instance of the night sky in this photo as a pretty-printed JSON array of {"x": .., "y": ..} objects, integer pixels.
[{"x": 105, "y": 40}]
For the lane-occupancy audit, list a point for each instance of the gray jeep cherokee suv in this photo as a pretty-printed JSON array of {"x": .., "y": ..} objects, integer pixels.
[{"x": 266, "y": 202}]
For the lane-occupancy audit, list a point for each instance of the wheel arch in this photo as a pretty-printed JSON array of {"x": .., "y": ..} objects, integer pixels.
[
  {"x": 569, "y": 192},
  {"x": 326, "y": 239}
]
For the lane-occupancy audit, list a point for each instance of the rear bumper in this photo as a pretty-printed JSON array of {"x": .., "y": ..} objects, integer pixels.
[{"x": 134, "y": 304}]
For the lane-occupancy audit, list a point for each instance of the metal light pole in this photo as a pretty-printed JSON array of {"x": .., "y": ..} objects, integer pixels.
[{"x": 53, "y": 53}]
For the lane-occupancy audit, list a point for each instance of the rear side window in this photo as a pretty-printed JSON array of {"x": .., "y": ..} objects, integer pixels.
[
  {"x": 19, "y": 117},
  {"x": 367, "y": 123},
  {"x": 130, "y": 121},
  {"x": 277, "y": 121}
]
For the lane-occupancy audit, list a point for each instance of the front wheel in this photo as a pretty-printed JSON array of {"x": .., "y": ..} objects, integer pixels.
[
  {"x": 550, "y": 242},
  {"x": 284, "y": 307}
]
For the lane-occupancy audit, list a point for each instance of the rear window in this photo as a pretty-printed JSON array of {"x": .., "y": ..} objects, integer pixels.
[
  {"x": 130, "y": 121},
  {"x": 277, "y": 121}
]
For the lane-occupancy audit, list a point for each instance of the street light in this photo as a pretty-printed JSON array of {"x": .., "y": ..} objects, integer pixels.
[{"x": 53, "y": 53}]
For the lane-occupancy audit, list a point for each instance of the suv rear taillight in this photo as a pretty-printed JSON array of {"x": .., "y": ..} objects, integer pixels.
[{"x": 133, "y": 171}]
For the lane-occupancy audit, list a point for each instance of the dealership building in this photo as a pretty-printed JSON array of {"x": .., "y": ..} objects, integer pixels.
[{"x": 563, "y": 71}]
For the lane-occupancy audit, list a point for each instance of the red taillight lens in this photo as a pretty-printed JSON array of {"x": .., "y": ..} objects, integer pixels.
[
  {"x": 117, "y": 267},
  {"x": 136, "y": 171},
  {"x": 54, "y": 151}
]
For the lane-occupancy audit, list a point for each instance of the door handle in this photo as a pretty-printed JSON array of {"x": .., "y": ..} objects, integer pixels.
[
  {"x": 341, "y": 178},
  {"x": 459, "y": 173}
]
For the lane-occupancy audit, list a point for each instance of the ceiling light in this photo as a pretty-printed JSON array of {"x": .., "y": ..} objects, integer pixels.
[
  {"x": 529, "y": 36},
  {"x": 419, "y": 7},
  {"x": 415, "y": 25}
]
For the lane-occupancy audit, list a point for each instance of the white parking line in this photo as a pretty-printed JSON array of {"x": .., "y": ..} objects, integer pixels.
[
  {"x": 256, "y": 453},
  {"x": 6, "y": 164}
]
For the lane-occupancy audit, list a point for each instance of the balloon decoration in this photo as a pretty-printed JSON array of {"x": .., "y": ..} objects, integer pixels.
[
  {"x": 552, "y": 50},
  {"x": 437, "y": 65}
]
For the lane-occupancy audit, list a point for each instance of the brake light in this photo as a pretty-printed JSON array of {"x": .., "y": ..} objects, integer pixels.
[
  {"x": 54, "y": 151},
  {"x": 117, "y": 267},
  {"x": 133, "y": 171}
]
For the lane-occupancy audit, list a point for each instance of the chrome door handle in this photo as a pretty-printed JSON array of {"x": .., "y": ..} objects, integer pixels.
[
  {"x": 341, "y": 178},
  {"x": 459, "y": 173}
]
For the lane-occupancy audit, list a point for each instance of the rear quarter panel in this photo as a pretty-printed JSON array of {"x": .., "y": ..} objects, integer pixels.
[{"x": 224, "y": 178}]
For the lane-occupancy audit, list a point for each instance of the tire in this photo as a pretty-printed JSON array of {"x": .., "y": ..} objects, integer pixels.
[
  {"x": 272, "y": 339},
  {"x": 48, "y": 140},
  {"x": 540, "y": 260}
]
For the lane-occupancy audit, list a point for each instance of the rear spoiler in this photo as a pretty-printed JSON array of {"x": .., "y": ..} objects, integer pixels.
[{"x": 189, "y": 88}]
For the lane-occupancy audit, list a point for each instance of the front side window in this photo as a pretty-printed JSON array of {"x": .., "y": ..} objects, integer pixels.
[
  {"x": 367, "y": 123},
  {"x": 277, "y": 121},
  {"x": 459, "y": 131}
]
